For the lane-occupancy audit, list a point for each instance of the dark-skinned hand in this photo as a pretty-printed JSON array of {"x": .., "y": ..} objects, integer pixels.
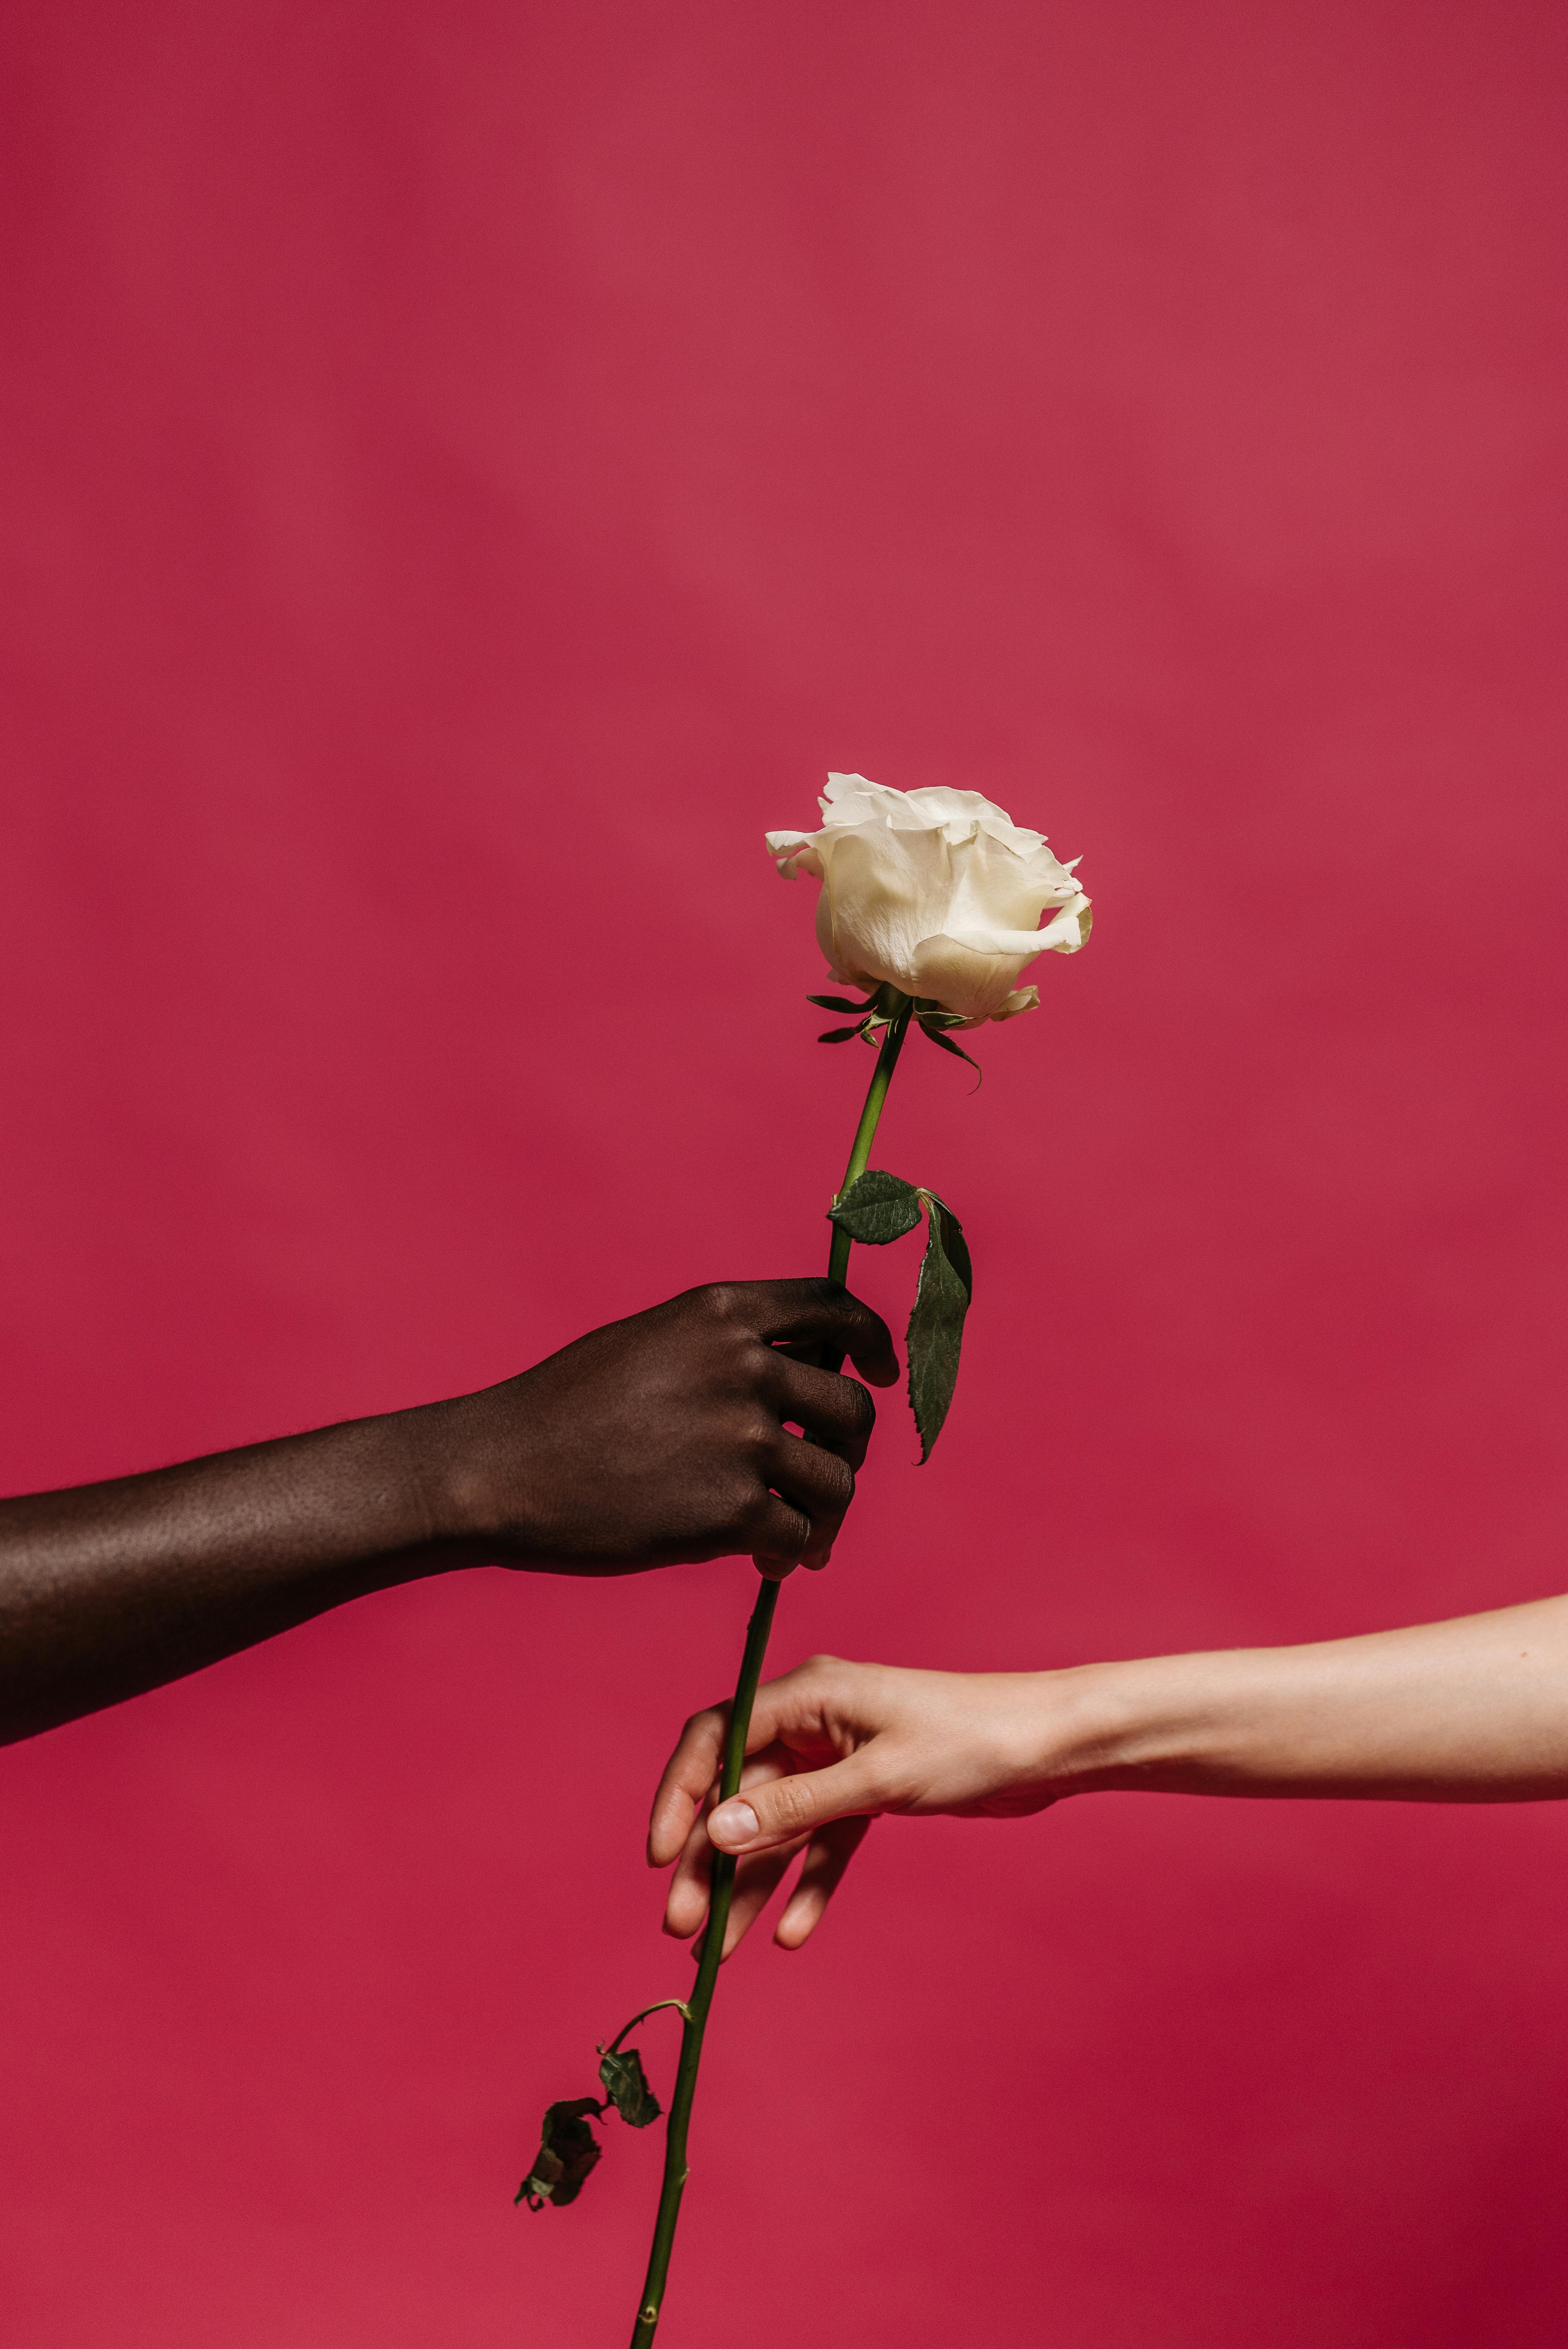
[
  {"x": 663, "y": 1438},
  {"x": 667, "y": 1437}
]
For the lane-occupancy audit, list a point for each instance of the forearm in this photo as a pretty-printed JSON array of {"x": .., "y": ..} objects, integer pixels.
[
  {"x": 1470, "y": 1711},
  {"x": 113, "y": 1589}
]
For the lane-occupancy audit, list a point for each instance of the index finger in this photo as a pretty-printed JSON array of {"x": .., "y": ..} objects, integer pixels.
[
  {"x": 819, "y": 1311},
  {"x": 682, "y": 1791},
  {"x": 790, "y": 1702}
]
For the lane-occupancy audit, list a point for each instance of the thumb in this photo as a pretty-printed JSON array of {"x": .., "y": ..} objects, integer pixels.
[{"x": 787, "y": 1808}]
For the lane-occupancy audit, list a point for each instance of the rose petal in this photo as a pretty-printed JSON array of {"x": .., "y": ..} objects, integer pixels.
[
  {"x": 1011, "y": 944},
  {"x": 793, "y": 853},
  {"x": 1023, "y": 998},
  {"x": 954, "y": 975},
  {"x": 1070, "y": 929}
]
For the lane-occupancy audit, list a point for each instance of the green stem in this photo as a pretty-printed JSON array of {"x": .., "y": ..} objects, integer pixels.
[
  {"x": 680, "y": 2004},
  {"x": 695, "y": 2025},
  {"x": 865, "y": 1134},
  {"x": 722, "y": 1889}
]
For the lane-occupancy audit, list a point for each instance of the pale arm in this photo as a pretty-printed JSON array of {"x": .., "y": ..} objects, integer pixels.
[{"x": 1472, "y": 1711}]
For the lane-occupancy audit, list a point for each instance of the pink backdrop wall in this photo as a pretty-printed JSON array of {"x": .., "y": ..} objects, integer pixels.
[{"x": 467, "y": 469}]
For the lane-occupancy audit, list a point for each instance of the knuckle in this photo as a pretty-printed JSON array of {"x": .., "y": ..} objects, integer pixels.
[
  {"x": 860, "y": 1407},
  {"x": 791, "y": 1804},
  {"x": 749, "y": 1517},
  {"x": 756, "y": 1507},
  {"x": 732, "y": 1510},
  {"x": 838, "y": 1480}
]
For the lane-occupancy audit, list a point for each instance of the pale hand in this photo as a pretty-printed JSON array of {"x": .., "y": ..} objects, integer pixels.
[{"x": 832, "y": 1745}]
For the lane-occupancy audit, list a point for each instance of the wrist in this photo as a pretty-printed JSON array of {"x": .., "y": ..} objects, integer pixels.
[
  {"x": 466, "y": 1466},
  {"x": 1147, "y": 1723},
  {"x": 376, "y": 1503}
]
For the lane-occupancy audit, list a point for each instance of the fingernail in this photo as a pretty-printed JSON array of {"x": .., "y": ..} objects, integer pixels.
[{"x": 732, "y": 1824}]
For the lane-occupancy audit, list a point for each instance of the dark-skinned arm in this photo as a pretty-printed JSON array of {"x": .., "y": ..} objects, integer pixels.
[{"x": 659, "y": 1440}]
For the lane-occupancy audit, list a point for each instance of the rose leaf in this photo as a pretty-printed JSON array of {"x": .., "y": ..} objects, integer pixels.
[
  {"x": 877, "y": 1208},
  {"x": 936, "y": 1325},
  {"x": 626, "y": 2086},
  {"x": 567, "y": 2152}
]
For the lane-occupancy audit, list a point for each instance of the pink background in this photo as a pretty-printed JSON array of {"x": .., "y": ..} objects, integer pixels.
[{"x": 469, "y": 468}]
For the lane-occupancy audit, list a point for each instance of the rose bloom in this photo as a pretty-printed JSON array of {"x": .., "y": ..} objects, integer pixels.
[{"x": 937, "y": 892}]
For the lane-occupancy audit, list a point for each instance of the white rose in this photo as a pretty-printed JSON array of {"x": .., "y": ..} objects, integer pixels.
[{"x": 937, "y": 892}]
